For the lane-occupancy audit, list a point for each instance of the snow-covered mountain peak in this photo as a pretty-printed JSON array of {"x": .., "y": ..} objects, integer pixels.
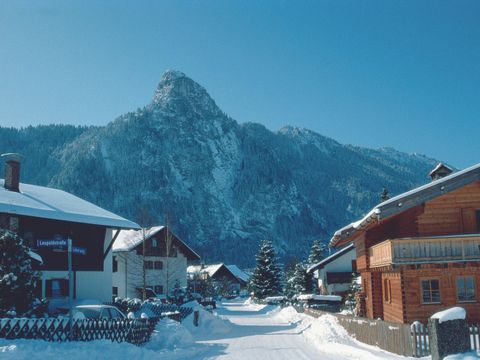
[
  {"x": 170, "y": 75},
  {"x": 178, "y": 94}
]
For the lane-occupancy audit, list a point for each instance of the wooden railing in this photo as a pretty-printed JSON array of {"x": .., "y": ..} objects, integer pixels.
[{"x": 425, "y": 249}]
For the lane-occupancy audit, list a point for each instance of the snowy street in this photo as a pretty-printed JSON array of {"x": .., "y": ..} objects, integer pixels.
[
  {"x": 270, "y": 333},
  {"x": 240, "y": 331}
]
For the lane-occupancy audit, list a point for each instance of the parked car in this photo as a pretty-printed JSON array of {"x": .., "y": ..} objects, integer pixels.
[{"x": 97, "y": 312}]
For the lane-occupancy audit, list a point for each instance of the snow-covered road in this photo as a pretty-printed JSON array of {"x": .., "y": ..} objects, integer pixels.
[
  {"x": 257, "y": 334},
  {"x": 265, "y": 333}
]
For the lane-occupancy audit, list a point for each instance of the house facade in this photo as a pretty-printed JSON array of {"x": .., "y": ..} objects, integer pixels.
[
  {"x": 229, "y": 279},
  {"x": 154, "y": 258},
  {"x": 46, "y": 218},
  {"x": 334, "y": 273},
  {"x": 419, "y": 252}
]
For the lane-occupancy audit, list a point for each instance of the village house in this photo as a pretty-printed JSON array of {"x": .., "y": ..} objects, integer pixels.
[
  {"x": 228, "y": 277},
  {"x": 152, "y": 258},
  {"x": 419, "y": 252},
  {"x": 46, "y": 218},
  {"x": 334, "y": 273}
]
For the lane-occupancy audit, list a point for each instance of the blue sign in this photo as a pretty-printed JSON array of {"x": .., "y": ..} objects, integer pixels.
[
  {"x": 58, "y": 242},
  {"x": 51, "y": 243},
  {"x": 79, "y": 250}
]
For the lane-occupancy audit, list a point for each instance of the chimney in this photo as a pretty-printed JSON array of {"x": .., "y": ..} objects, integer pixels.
[
  {"x": 12, "y": 171},
  {"x": 440, "y": 171}
]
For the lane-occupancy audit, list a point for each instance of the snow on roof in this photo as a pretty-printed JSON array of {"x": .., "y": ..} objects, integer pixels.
[
  {"x": 238, "y": 273},
  {"x": 305, "y": 297},
  {"x": 208, "y": 269},
  {"x": 35, "y": 256},
  {"x": 443, "y": 185},
  {"x": 454, "y": 313},
  {"x": 438, "y": 167},
  {"x": 48, "y": 203},
  {"x": 129, "y": 239},
  {"x": 212, "y": 269},
  {"x": 330, "y": 258}
]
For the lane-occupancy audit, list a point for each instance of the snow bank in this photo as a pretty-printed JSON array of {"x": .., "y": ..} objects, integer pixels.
[
  {"x": 274, "y": 298},
  {"x": 208, "y": 322},
  {"x": 169, "y": 335},
  {"x": 287, "y": 314},
  {"x": 454, "y": 313},
  {"x": 100, "y": 349},
  {"x": 306, "y": 297},
  {"x": 250, "y": 304}
]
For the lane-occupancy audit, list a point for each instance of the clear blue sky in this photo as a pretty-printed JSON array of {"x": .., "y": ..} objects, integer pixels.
[{"x": 404, "y": 74}]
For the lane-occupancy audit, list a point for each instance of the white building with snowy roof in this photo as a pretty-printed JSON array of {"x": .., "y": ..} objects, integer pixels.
[
  {"x": 231, "y": 277},
  {"x": 46, "y": 218},
  {"x": 153, "y": 259}
]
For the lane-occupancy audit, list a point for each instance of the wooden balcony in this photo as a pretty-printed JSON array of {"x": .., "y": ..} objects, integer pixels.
[{"x": 425, "y": 249}]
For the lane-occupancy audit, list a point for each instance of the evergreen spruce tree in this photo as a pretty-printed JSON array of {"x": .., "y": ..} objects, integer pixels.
[
  {"x": 384, "y": 196},
  {"x": 299, "y": 281},
  {"x": 17, "y": 279},
  {"x": 355, "y": 287},
  {"x": 317, "y": 254},
  {"x": 265, "y": 280},
  {"x": 289, "y": 286}
]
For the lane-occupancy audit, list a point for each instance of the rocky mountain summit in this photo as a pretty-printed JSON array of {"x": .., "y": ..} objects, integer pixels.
[{"x": 223, "y": 186}]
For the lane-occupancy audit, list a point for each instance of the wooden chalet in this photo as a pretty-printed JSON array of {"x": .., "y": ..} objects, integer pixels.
[{"x": 419, "y": 252}]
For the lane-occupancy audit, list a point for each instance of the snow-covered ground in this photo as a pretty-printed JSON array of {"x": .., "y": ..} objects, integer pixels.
[{"x": 242, "y": 330}]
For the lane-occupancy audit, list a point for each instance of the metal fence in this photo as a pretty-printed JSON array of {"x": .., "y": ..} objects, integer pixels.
[{"x": 135, "y": 331}]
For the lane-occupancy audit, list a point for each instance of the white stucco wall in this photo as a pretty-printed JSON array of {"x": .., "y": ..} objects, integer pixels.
[
  {"x": 91, "y": 285},
  {"x": 129, "y": 276},
  {"x": 341, "y": 264}
]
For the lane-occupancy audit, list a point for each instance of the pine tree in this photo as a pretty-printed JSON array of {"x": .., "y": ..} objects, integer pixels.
[
  {"x": 350, "y": 299},
  {"x": 17, "y": 279},
  {"x": 265, "y": 280},
  {"x": 317, "y": 252},
  {"x": 299, "y": 281},
  {"x": 384, "y": 196},
  {"x": 289, "y": 289}
]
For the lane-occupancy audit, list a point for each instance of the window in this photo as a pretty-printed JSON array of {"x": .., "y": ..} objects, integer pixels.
[
  {"x": 158, "y": 289},
  {"x": 465, "y": 288},
  {"x": 154, "y": 243},
  {"x": 115, "y": 291},
  {"x": 430, "y": 291},
  {"x": 148, "y": 264},
  {"x": 56, "y": 288},
  {"x": 114, "y": 264},
  {"x": 387, "y": 291},
  {"x": 158, "y": 265}
]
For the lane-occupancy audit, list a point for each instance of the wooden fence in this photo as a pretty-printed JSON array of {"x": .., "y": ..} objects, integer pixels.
[
  {"x": 135, "y": 331},
  {"x": 395, "y": 338},
  {"x": 401, "y": 339}
]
